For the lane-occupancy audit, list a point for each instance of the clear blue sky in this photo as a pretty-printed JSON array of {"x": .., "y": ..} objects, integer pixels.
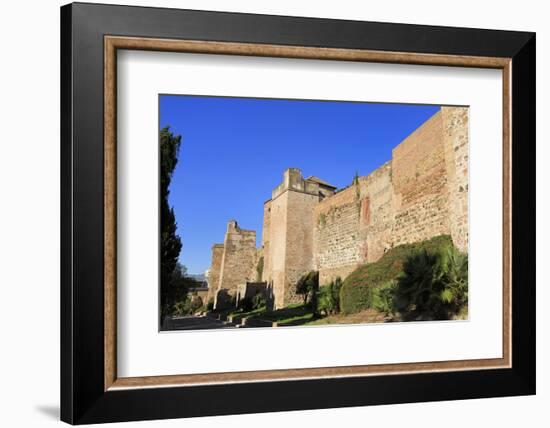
[{"x": 234, "y": 152}]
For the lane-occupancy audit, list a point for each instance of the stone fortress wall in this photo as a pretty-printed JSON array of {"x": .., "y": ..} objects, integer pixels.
[
  {"x": 234, "y": 261},
  {"x": 309, "y": 225}
]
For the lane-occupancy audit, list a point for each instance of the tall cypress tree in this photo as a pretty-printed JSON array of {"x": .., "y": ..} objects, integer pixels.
[{"x": 170, "y": 242}]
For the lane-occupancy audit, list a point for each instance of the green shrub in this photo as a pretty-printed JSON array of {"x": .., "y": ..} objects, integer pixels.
[
  {"x": 434, "y": 285},
  {"x": 355, "y": 298},
  {"x": 196, "y": 304},
  {"x": 324, "y": 300},
  {"x": 259, "y": 301},
  {"x": 328, "y": 298},
  {"x": 210, "y": 304},
  {"x": 180, "y": 308},
  {"x": 383, "y": 298},
  {"x": 224, "y": 300},
  {"x": 188, "y": 306},
  {"x": 174, "y": 290},
  {"x": 357, "y": 292},
  {"x": 245, "y": 304},
  {"x": 307, "y": 287}
]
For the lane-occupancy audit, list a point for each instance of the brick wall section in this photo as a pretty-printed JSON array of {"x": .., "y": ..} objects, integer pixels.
[
  {"x": 419, "y": 180},
  {"x": 376, "y": 195},
  {"x": 420, "y": 193},
  {"x": 336, "y": 234},
  {"x": 353, "y": 226},
  {"x": 215, "y": 270},
  {"x": 266, "y": 236},
  {"x": 203, "y": 294},
  {"x": 239, "y": 256},
  {"x": 455, "y": 134},
  {"x": 299, "y": 245},
  {"x": 253, "y": 272},
  {"x": 288, "y": 245},
  {"x": 276, "y": 257}
]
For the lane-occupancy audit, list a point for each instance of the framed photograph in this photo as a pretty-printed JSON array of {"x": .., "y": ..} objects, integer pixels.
[{"x": 265, "y": 213}]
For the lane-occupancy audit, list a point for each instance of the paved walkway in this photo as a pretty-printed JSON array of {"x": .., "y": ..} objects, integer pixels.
[{"x": 193, "y": 322}]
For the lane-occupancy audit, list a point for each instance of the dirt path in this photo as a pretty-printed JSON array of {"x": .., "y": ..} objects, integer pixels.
[{"x": 193, "y": 322}]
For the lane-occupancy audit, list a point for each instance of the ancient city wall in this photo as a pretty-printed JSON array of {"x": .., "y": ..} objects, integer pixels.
[
  {"x": 299, "y": 248},
  {"x": 336, "y": 238},
  {"x": 420, "y": 185},
  {"x": 353, "y": 226},
  {"x": 420, "y": 193},
  {"x": 265, "y": 246},
  {"x": 238, "y": 259},
  {"x": 203, "y": 294},
  {"x": 276, "y": 257},
  {"x": 215, "y": 270},
  {"x": 455, "y": 134},
  {"x": 377, "y": 210},
  {"x": 288, "y": 247}
]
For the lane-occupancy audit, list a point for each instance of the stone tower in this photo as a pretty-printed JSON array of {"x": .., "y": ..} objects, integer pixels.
[
  {"x": 215, "y": 270},
  {"x": 234, "y": 261},
  {"x": 287, "y": 240}
]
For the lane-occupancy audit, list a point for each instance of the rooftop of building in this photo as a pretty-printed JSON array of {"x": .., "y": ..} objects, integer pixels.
[{"x": 320, "y": 181}]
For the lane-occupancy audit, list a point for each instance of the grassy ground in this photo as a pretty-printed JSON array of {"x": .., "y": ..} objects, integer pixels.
[
  {"x": 295, "y": 314},
  {"x": 242, "y": 314},
  {"x": 299, "y": 314},
  {"x": 368, "y": 316}
]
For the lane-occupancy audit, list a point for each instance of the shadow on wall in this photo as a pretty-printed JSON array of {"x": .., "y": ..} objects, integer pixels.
[{"x": 50, "y": 411}]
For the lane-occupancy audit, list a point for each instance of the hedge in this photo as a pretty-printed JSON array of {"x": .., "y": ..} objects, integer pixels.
[{"x": 357, "y": 292}]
